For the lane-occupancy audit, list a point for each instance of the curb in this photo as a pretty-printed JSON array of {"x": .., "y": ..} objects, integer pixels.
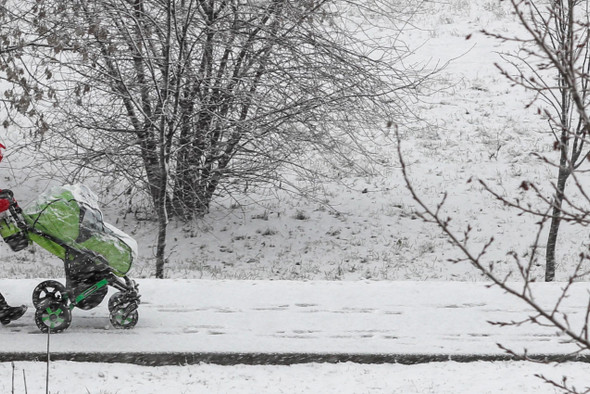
[{"x": 161, "y": 359}]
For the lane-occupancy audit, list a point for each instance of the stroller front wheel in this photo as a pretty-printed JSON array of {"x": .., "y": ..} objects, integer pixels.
[
  {"x": 123, "y": 311},
  {"x": 53, "y": 316}
]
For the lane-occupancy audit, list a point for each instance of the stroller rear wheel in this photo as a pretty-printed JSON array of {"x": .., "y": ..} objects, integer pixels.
[
  {"x": 53, "y": 316},
  {"x": 51, "y": 290},
  {"x": 123, "y": 311}
]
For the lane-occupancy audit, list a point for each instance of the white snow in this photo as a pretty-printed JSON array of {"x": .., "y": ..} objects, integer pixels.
[
  {"x": 290, "y": 316},
  {"x": 479, "y": 128},
  {"x": 302, "y": 317},
  {"x": 436, "y": 378},
  {"x": 307, "y": 317}
]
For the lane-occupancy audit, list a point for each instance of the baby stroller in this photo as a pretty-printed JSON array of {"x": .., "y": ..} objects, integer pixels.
[{"x": 68, "y": 223}]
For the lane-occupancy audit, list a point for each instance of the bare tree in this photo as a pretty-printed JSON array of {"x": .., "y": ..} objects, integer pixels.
[
  {"x": 189, "y": 98},
  {"x": 18, "y": 94},
  {"x": 552, "y": 63}
]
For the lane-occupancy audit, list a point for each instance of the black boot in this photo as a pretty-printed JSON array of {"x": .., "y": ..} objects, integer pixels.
[{"x": 11, "y": 313}]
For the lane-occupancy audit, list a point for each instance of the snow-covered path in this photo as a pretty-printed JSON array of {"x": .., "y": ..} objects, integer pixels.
[{"x": 304, "y": 317}]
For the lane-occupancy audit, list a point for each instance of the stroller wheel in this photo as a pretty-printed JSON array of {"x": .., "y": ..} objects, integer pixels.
[
  {"x": 53, "y": 316},
  {"x": 123, "y": 312},
  {"x": 51, "y": 290}
]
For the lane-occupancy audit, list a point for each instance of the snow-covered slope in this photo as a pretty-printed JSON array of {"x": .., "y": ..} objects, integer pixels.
[{"x": 365, "y": 227}]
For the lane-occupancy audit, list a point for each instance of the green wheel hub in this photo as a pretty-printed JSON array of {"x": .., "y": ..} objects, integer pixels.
[{"x": 53, "y": 316}]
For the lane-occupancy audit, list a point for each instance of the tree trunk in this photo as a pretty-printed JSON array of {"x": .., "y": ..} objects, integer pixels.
[
  {"x": 163, "y": 151},
  {"x": 563, "y": 174},
  {"x": 555, "y": 222}
]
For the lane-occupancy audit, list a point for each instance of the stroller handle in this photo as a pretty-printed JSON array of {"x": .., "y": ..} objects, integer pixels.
[{"x": 7, "y": 195}]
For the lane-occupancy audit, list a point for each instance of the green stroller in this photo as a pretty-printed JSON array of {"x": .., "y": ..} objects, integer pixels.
[{"x": 67, "y": 222}]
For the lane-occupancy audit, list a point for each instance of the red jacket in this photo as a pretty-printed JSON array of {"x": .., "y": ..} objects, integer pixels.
[{"x": 4, "y": 204}]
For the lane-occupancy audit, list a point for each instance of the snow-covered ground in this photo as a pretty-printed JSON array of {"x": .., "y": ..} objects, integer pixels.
[
  {"x": 436, "y": 378},
  {"x": 273, "y": 317},
  {"x": 344, "y": 317},
  {"x": 479, "y": 128}
]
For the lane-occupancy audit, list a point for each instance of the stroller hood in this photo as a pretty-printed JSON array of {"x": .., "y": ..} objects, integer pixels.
[{"x": 71, "y": 216}]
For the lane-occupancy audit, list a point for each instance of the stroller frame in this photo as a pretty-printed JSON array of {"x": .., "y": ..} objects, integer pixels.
[{"x": 88, "y": 276}]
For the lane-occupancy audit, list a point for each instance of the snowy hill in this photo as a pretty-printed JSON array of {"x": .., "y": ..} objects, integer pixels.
[{"x": 365, "y": 227}]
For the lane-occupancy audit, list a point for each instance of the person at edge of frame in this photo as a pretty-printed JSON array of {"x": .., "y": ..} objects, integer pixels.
[{"x": 8, "y": 313}]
